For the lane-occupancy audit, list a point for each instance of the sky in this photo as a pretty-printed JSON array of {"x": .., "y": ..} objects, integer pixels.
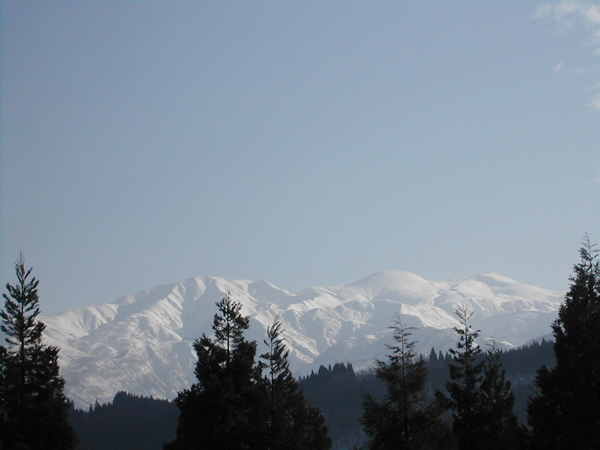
[{"x": 304, "y": 143}]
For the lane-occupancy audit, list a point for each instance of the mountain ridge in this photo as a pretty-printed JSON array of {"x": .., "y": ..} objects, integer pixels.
[{"x": 142, "y": 343}]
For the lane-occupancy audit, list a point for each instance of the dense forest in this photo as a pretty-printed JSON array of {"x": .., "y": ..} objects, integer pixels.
[
  {"x": 134, "y": 422},
  {"x": 128, "y": 422},
  {"x": 339, "y": 392}
]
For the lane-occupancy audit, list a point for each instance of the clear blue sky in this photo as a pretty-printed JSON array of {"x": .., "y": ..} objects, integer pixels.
[{"x": 301, "y": 142}]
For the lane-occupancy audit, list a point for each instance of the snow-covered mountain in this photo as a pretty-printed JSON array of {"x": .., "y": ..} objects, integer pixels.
[{"x": 142, "y": 343}]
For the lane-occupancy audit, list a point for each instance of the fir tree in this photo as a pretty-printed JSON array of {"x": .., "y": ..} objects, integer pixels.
[
  {"x": 565, "y": 412},
  {"x": 292, "y": 423},
  {"x": 465, "y": 377},
  {"x": 33, "y": 407},
  {"x": 403, "y": 420},
  {"x": 501, "y": 426},
  {"x": 224, "y": 409},
  {"x": 315, "y": 435},
  {"x": 481, "y": 398},
  {"x": 433, "y": 355}
]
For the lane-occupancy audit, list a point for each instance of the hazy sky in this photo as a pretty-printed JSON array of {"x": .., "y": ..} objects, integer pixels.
[{"x": 300, "y": 142}]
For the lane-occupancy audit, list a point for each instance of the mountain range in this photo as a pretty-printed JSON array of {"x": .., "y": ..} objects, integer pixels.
[{"x": 142, "y": 343}]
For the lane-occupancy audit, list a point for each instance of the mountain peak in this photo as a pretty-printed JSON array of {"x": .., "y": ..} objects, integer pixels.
[{"x": 143, "y": 343}]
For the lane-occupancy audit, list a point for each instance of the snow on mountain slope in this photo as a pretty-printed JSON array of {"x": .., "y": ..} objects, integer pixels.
[{"x": 142, "y": 343}]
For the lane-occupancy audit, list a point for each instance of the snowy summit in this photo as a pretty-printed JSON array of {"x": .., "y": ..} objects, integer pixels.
[{"x": 142, "y": 343}]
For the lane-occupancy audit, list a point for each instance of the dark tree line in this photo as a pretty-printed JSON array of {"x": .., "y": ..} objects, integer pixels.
[
  {"x": 478, "y": 395},
  {"x": 128, "y": 422},
  {"x": 338, "y": 392},
  {"x": 131, "y": 421}
]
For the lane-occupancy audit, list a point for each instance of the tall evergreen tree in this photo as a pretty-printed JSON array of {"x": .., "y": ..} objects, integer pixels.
[
  {"x": 224, "y": 409},
  {"x": 403, "y": 419},
  {"x": 501, "y": 426},
  {"x": 33, "y": 407},
  {"x": 292, "y": 423},
  {"x": 565, "y": 412},
  {"x": 481, "y": 398},
  {"x": 465, "y": 377}
]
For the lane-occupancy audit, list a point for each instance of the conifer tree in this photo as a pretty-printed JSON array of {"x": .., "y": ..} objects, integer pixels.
[
  {"x": 432, "y": 355},
  {"x": 33, "y": 407},
  {"x": 465, "y": 377},
  {"x": 501, "y": 428},
  {"x": 224, "y": 409},
  {"x": 292, "y": 423},
  {"x": 403, "y": 419},
  {"x": 315, "y": 434},
  {"x": 481, "y": 398},
  {"x": 565, "y": 412}
]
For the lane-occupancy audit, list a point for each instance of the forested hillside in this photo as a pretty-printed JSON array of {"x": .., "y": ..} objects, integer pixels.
[
  {"x": 133, "y": 422},
  {"x": 339, "y": 392},
  {"x": 128, "y": 422}
]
